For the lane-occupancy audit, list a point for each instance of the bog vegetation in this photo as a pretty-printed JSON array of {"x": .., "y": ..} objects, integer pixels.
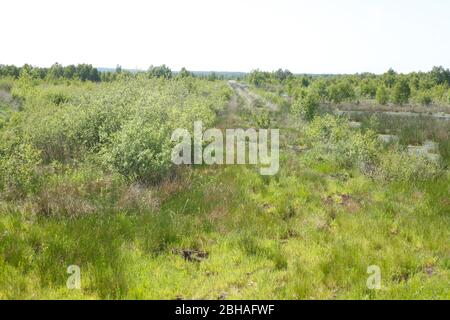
[{"x": 86, "y": 179}]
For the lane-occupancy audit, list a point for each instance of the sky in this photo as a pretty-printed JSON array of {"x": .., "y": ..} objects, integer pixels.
[{"x": 315, "y": 36}]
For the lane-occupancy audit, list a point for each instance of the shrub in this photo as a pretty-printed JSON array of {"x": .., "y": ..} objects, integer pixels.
[
  {"x": 400, "y": 166},
  {"x": 306, "y": 106},
  {"x": 342, "y": 91},
  {"x": 382, "y": 95},
  {"x": 320, "y": 89},
  {"x": 401, "y": 92},
  {"x": 18, "y": 166},
  {"x": 333, "y": 137},
  {"x": 141, "y": 152},
  {"x": 262, "y": 119},
  {"x": 57, "y": 98},
  {"x": 368, "y": 89},
  {"x": 424, "y": 98}
]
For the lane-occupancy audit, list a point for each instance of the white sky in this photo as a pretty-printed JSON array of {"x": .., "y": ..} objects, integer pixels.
[{"x": 316, "y": 36}]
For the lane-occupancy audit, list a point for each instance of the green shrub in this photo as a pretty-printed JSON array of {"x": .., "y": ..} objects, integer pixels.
[
  {"x": 306, "y": 106},
  {"x": 262, "y": 119},
  {"x": 342, "y": 91},
  {"x": 382, "y": 95},
  {"x": 18, "y": 167},
  {"x": 424, "y": 98},
  {"x": 333, "y": 137},
  {"x": 400, "y": 166},
  {"x": 141, "y": 152},
  {"x": 401, "y": 92}
]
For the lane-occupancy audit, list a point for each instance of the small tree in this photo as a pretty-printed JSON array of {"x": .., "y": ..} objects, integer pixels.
[
  {"x": 401, "y": 92},
  {"x": 306, "y": 106},
  {"x": 342, "y": 91},
  {"x": 184, "y": 73},
  {"x": 382, "y": 95},
  {"x": 424, "y": 98}
]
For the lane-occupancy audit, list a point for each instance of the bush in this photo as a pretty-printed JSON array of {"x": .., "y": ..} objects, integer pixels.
[
  {"x": 382, "y": 95},
  {"x": 342, "y": 91},
  {"x": 18, "y": 166},
  {"x": 368, "y": 89},
  {"x": 401, "y": 92},
  {"x": 400, "y": 166},
  {"x": 424, "y": 98},
  {"x": 141, "y": 152},
  {"x": 306, "y": 106},
  {"x": 334, "y": 138},
  {"x": 262, "y": 119}
]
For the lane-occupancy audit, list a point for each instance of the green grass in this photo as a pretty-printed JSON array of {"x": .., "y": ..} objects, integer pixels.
[{"x": 282, "y": 238}]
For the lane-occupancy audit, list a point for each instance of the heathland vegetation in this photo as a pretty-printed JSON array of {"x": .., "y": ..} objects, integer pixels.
[{"x": 86, "y": 179}]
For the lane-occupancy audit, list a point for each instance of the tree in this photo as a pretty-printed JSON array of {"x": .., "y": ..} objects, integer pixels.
[
  {"x": 401, "y": 91},
  {"x": 283, "y": 75},
  {"x": 382, "y": 95},
  {"x": 424, "y": 98},
  {"x": 389, "y": 78},
  {"x": 184, "y": 73},
  {"x": 342, "y": 91},
  {"x": 162, "y": 71},
  {"x": 257, "y": 77},
  {"x": 440, "y": 75},
  {"x": 320, "y": 88},
  {"x": 56, "y": 71},
  {"x": 368, "y": 88},
  {"x": 69, "y": 71}
]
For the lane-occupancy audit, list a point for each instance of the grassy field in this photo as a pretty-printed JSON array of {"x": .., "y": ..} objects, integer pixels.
[{"x": 221, "y": 232}]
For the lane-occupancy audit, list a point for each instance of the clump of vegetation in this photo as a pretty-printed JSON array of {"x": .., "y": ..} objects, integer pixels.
[
  {"x": 401, "y": 166},
  {"x": 332, "y": 137},
  {"x": 341, "y": 91},
  {"x": 401, "y": 92},
  {"x": 262, "y": 119},
  {"x": 19, "y": 169},
  {"x": 382, "y": 95},
  {"x": 306, "y": 106}
]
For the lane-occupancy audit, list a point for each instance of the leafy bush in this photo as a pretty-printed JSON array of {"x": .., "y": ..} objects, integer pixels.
[
  {"x": 262, "y": 119},
  {"x": 18, "y": 166},
  {"x": 334, "y": 137},
  {"x": 368, "y": 89},
  {"x": 400, "y": 166},
  {"x": 342, "y": 91},
  {"x": 306, "y": 106},
  {"x": 401, "y": 92},
  {"x": 141, "y": 152},
  {"x": 382, "y": 95},
  {"x": 424, "y": 98}
]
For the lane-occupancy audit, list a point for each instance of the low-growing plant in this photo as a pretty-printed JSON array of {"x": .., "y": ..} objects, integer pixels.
[
  {"x": 396, "y": 165},
  {"x": 18, "y": 170},
  {"x": 348, "y": 147},
  {"x": 141, "y": 152},
  {"x": 262, "y": 119},
  {"x": 306, "y": 106}
]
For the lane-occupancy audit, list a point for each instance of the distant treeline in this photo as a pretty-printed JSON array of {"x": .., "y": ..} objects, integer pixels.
[
  {"x": 420, "y": 87},
  {"x": 86, "y": 72}
]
